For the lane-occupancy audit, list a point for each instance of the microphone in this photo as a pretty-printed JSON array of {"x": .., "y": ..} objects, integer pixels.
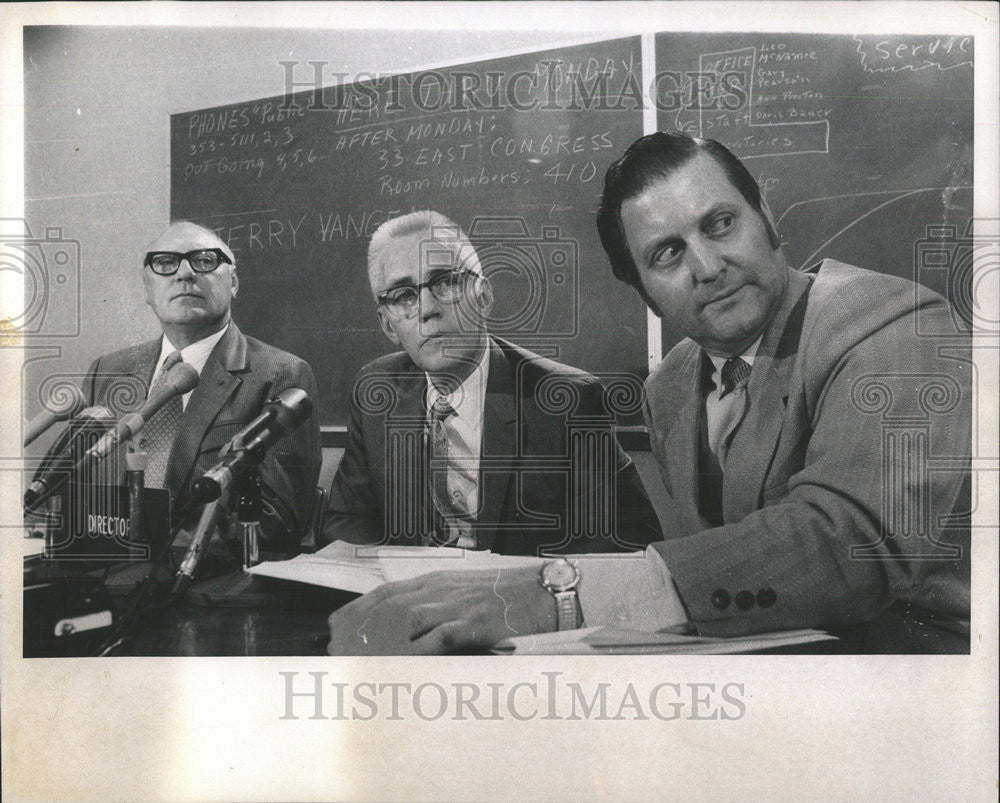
[
  {"x": 178, "y": 381},
  {"x": 65, "y": 454},
  {"x": 209, "y": 514},
  {"x": 70, "y": 407},
  {"x": 280, "y": 416}
]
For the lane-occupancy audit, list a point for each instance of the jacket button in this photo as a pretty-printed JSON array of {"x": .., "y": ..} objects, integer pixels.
[
  {"x": 744, "y": 600},
  {"x": 720, "y": 598},
  {"x": 766, "y": 597}
]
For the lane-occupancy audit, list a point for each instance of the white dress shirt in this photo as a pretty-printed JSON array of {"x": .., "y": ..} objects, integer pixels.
[{"x": 195, "y": 355}]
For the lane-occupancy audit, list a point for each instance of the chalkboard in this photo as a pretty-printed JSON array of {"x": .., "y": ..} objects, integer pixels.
[
  {"x": 513, "y": 149},
  {"x": 863, "y": 144}
]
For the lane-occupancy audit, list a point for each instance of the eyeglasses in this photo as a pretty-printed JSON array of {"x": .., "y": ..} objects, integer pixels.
[
  {"x": 203, "y": 260},
  {"x": 402, "y": 301}
]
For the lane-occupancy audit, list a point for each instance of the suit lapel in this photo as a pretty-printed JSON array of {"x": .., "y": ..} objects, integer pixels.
[
  {"x": 139, "y": 366},
  {"x": 140, "y": 363},
  {"x": 499, "y": 447},
  {"x": 399, "y": 445},
  {"x": 148, "y": 356},
  {"x": 755, "y": 441},
  {"x": 411, "y": 401},
  {"x": 216, "y": 386}
]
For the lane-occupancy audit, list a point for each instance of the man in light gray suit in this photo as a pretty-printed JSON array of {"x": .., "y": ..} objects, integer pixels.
[{"x": 797, "y": 428}]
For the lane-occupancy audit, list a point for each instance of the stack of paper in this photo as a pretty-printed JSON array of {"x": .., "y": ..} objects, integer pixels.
[
  {"x": 609, "y": 641},
  {"x": 351, "y": 567}
]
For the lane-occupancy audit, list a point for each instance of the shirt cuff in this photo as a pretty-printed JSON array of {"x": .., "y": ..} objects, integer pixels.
[{"x": 630, "y": 592}]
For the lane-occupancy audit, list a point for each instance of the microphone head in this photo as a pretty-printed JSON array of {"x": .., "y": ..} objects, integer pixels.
[
  {"x": 291, "y": 407},
  {"x": 68, "y": 449},
  {"x": 93, "y": 420},
  {"x": 181, "y": 378}
]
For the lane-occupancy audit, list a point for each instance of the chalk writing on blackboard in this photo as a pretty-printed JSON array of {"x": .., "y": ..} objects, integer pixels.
[{"x": 879, "y": 54}]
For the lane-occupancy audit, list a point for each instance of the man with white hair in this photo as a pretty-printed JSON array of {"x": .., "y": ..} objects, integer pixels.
[
  {"x": 190, "y": 282},
  {"x": 464, "y": 439}
]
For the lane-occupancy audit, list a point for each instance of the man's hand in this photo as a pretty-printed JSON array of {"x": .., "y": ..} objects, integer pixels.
[{"x": 443, "y": 612}]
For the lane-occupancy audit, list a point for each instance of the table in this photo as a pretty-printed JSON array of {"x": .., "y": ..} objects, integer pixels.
[
  {"x": 294, "y": 622},
  {"x": 289, "y": 619}
]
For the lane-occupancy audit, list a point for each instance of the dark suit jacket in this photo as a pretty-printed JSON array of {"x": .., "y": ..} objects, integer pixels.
[
  {"x": 854, "y": 448},
  {"x": 552, "y": 475},
  {"x": 241, "y": 374}
]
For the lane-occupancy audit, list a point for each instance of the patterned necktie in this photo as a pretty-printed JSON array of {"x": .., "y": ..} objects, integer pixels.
[
  {"x": 450, "y": 508},
  {"x": 735, "y": 372},
  {"x": 161, "y": 429}
]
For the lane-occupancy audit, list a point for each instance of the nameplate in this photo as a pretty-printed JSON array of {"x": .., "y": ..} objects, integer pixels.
[{"x": 92, "y": 523}]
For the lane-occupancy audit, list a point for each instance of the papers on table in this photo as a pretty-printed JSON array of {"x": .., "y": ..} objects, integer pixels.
[
  {"x": 609, "y": 641},
  {"x": 350, "y": 567},
  {"x": 360, "y": 569},
  {"x": 339, "y": 568}
]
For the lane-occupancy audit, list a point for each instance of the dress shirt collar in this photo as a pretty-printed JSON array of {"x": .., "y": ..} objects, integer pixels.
[
  {"x": 467, "y": 399},
  {"x": 195, "y": 355},
  {"x": 749, "y": 355}
]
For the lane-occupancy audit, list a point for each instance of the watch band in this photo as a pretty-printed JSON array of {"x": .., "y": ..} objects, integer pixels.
[
  {"x": 566, "y": 610},
  {"x": 560, "y": 578}
]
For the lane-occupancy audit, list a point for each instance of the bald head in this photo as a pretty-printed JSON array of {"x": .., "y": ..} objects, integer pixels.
[
  {"x": 189, "y": 304},
  {"x": 184, "y": 231}
]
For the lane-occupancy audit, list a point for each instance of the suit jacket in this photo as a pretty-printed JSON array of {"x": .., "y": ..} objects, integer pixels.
[
  {"x": 853, "y": 450},
  {"x": 552, "y": 474},
  {"x": 240, "y": 375}
]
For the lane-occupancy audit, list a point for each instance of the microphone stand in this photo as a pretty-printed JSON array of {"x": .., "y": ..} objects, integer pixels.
[
  {"x": 239, "y": 589},
  {"x": 135, "y": 474},
  {"x": 248, "y": 512},
  {"x": 144, "y": 601},
  {"x": 236, "y": 589},
  {"x": 124, "y": 579}
]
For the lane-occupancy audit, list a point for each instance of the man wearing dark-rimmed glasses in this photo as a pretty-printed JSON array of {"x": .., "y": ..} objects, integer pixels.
[
  {"x": 190, "y": 281},
  {"x": 464, "y": 439}
]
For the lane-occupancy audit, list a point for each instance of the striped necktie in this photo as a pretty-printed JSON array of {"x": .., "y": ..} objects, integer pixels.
[
  {"x": 161, "y": 429},
  {"x": 720, "y": 421}
]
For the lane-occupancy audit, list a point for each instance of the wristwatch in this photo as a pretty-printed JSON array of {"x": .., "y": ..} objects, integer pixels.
[{"x": 560, "y": 578}]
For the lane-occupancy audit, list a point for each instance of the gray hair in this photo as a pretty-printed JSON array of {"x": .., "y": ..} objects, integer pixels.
[{"x": 439, "y": 229}]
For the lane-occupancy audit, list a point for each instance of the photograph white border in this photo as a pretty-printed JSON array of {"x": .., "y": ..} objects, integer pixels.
[{"x": 883, "y": 727}]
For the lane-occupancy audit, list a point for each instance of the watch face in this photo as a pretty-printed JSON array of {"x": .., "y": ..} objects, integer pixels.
[{"x": 559, "y": 575}]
